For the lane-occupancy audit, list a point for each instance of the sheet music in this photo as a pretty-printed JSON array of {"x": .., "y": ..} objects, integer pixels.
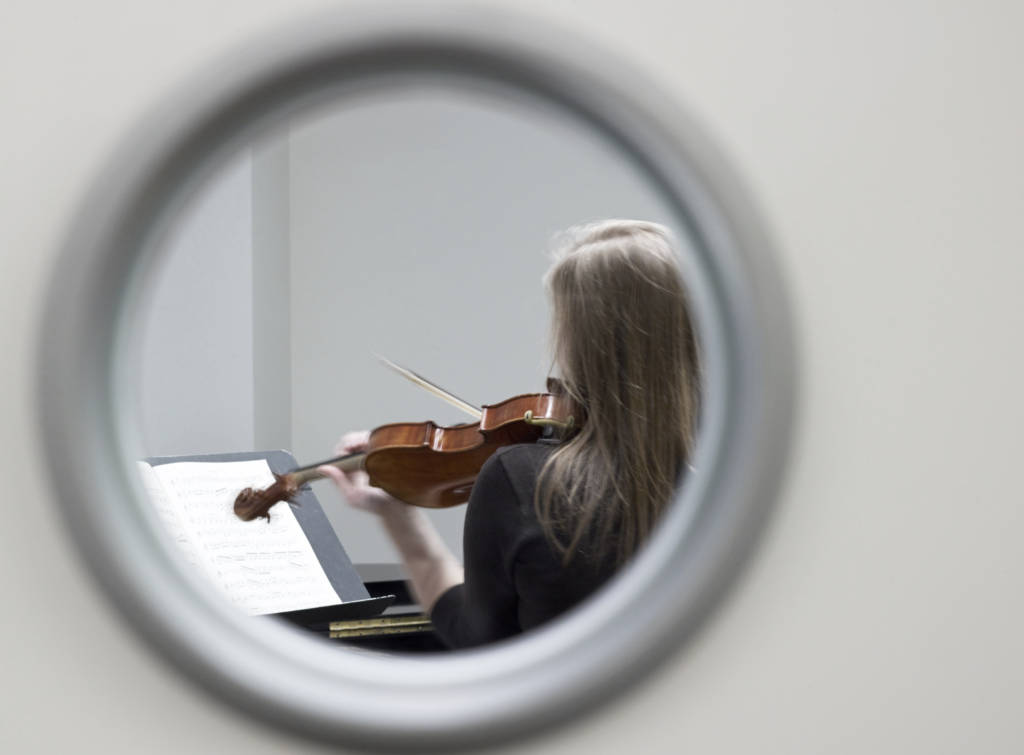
[{"x": 260, "y": 567}]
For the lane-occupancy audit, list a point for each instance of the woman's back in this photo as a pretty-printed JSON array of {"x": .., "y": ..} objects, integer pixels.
[{"x": 515, "y": 578}]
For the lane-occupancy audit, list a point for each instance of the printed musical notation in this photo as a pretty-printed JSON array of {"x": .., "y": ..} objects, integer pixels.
[{"x": 260, "y": 567}]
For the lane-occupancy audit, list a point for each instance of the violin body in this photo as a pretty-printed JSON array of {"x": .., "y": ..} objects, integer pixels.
[{"x": 427, "y": 465}]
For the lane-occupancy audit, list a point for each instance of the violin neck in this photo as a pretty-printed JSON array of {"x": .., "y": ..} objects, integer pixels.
[{"x": 346, "y": 463}]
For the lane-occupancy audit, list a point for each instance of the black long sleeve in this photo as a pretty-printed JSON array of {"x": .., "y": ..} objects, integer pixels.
[{"x": 515, "y": 580}]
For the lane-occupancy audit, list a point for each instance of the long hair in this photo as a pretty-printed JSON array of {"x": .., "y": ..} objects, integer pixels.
[{"x": 624, "y": 346}]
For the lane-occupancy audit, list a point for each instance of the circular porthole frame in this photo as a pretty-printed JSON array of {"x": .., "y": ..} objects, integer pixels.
[{"x": 470, "y": 698}]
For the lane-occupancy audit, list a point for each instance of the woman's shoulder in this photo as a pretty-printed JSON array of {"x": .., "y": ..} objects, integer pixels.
[
  {"x": 517, "y": 467},
  {"x": 522, "y": 456}
]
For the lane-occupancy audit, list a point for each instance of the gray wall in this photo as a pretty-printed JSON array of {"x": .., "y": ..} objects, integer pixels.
[
  {"x": 196, "y": 359},
  {"x": 272, "y": 296},
  {"x": 420, "y": 221},
  {"x": 413, "y": 224},
  {"x": 883, "y": 142}
]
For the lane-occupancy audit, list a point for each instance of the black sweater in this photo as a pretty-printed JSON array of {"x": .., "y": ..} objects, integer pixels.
[{"x": 514, "y": 579}]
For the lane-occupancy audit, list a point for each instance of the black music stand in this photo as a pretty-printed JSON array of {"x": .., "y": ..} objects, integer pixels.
[{"x": 357, "y": 603}]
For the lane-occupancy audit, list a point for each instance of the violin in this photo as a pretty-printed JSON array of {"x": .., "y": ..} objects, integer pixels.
[{"x": 427, "y": 465}]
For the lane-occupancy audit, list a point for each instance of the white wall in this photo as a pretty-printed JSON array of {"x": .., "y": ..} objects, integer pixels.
[
  {"x": 196, "y": 329},
  {"x": 420, "y": 221},
  {"x": 413, "y": 223},
  {"x": 271, "y": 313},
  {"x": 882, "y": 140}
]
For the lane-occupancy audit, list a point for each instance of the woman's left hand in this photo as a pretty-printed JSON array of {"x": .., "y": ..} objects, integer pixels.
[{"x": 355, "y": 486}]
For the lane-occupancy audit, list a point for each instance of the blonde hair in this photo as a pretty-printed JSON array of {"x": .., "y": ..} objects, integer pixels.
[{"x": 625, "y": 350}]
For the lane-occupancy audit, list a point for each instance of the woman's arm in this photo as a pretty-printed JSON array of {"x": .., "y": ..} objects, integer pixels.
[{"x": 432, "y": 568}]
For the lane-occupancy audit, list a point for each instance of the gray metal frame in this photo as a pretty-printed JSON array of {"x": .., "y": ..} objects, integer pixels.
[{"x": 468, "y": 698}]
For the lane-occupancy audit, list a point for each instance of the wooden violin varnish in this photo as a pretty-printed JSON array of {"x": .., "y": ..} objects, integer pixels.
[{"x": 424, "y": 464}]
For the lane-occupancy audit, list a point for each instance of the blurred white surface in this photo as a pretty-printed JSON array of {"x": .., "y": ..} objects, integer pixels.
[{"x": 882, "y": 141}]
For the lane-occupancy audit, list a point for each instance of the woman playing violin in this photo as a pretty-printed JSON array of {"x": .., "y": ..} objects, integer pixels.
[{"x": 548, "y": 523}]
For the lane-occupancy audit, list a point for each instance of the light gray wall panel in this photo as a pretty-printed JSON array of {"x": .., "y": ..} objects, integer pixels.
[
  {"x": 197, "y": 350},
  {"x": 420, "y": 223},
  {"x": 271, "y": 298}
]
